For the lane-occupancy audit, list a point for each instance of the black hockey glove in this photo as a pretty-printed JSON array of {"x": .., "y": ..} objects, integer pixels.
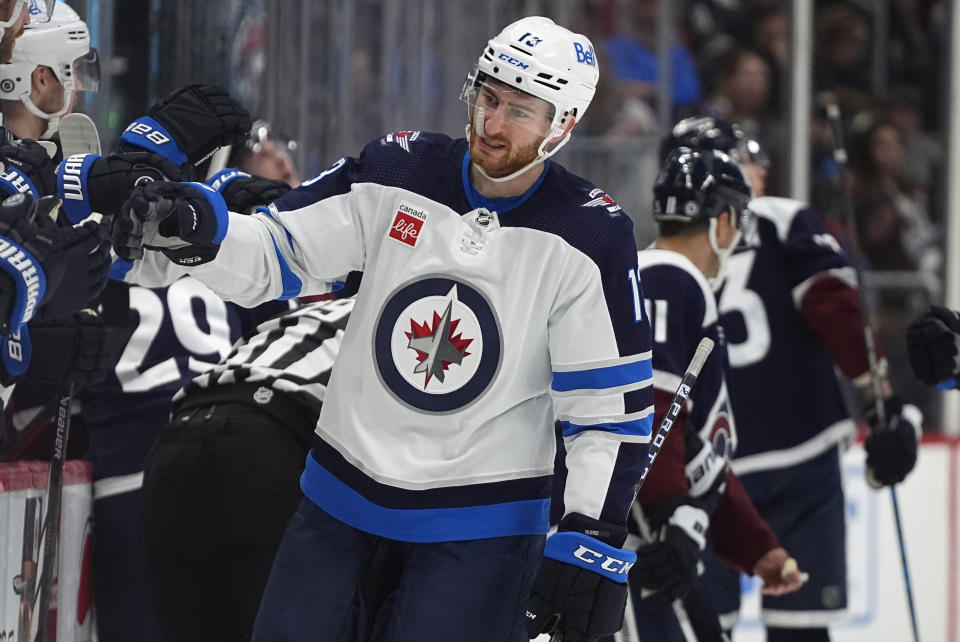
[
  {"x": 580, "y": 589},
  {"x": 705, "y": 470},
  {"x": 243, "y": 192},
  {"x": 933, "y": 345},
  {"x": 892, "y": 448},
  {"x": 89, "y": 183},
  {"x": 667, "y": 567},
  {"x": 47, "y": 271},
  {"x": 75, "y": 349},
  {"x": 189, "y": 125},
  {"x": 185, "y": 221},
  {"x": 28, "y": 167}
]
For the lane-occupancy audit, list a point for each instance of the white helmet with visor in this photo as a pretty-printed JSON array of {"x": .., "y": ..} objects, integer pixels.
[
  {"x": 538, "y": 58},
  {"x": 63, "y": 45}
]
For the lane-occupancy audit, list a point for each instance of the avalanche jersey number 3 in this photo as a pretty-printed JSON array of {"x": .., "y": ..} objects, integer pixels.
[
  {"x": 150, "y": 308},
  {"x": 737, "y": 297}
]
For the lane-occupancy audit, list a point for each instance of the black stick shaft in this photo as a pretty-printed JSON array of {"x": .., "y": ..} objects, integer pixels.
[
  {"x": 51, "y": 525},
  {"x": 679, "y": 399},
  {"x": 876, "y": 377}
]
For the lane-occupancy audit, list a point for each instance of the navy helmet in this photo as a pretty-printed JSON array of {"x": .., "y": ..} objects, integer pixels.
[
  {"x": 700, "y": 185},
  {"x": 704, "y": 132}
]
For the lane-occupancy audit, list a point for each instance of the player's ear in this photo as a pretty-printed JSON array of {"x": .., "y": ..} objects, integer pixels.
[{"x": 41, "y": 77}]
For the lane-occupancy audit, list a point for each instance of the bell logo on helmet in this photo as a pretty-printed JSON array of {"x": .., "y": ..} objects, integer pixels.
[
  {"x": 513, "y": 61},
  {"x": 585, "y": 55}
]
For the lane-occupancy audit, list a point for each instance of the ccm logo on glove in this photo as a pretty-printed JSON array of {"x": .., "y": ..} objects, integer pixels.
[
  {"x": 611, "y": 564},
  {"x": 587, "y": 552}
]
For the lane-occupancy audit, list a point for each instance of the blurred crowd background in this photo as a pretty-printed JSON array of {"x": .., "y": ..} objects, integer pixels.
[{"x": 330, "y": 75}]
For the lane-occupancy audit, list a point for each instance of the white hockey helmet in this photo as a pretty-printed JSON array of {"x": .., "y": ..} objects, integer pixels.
[
  {"x": 63, "y": 45},
  {"x": 39, "y": 11},
  {"x": 540, "y": 58}
]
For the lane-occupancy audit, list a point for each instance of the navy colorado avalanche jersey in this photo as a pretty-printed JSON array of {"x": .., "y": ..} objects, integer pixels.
[
  {"x": 477, "y": 323},
  {"x": 178, "y": 332},
  {"x": 789, "y": 311}
]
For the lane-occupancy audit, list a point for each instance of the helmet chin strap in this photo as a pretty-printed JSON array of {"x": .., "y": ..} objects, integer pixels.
[
  {"x": 53, "y": 120},
  {"x": 541, "y": 154},
  {"x": 722, "y": 254}
]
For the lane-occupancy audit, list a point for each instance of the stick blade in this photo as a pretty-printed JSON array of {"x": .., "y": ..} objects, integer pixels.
[{"x": 78, "y": 135}]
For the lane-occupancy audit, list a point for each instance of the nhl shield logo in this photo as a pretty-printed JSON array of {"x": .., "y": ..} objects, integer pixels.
[{"x": 437, "y": 344}]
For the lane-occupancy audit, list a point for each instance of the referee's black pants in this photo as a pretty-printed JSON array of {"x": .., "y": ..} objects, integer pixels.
[{"x": 219, "y": 487}]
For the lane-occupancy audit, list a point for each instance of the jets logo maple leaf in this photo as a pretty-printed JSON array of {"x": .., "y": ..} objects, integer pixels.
[{"x": 436, "y": 345}]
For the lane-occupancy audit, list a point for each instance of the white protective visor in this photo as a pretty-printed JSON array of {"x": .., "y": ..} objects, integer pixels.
[
  {"x": 496, "y": 98},
  {"x": 86, "y": 71}
]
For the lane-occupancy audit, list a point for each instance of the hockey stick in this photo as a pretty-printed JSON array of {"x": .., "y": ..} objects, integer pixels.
[
  {"x": 51, "y": 522},
  {"x": 876, "y": 377},
  {"x": 25, "y": 583},
  {"x": 78, "y": 135},
  {"x": 679, "y": 399},
  {"x": 663, "y": 430}
]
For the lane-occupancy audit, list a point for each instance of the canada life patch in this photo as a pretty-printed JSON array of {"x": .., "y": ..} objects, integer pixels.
[
  {"x": 407, "y": 224},
  {"x": 437, "y": 344}
]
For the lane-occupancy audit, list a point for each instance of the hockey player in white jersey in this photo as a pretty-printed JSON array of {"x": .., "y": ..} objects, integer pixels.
[
  {"x": 790, "y": 313},
  {"x": 494, "y": 298}
]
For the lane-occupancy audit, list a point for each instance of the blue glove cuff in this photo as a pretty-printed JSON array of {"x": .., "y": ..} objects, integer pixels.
[
  {"x": 571, "y": 547},
  {"x": 17, "y": 351},
  {"x": 119, "y": 269},
  {"x": 72, "y": 175},
  {"x": 224, "y": 177},
  {"x": 219, "y": 207},
  {"x": 30, "y": 280},
  {"x": 146, "y": 133},
  {"x": 13, "y": 181}
]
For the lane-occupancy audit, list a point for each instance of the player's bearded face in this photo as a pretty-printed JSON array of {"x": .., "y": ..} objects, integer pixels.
[{"x": 511, "y": 123}]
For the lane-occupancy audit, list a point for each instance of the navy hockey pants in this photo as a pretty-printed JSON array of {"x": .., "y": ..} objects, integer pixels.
[{"x": 333, "y": 583}]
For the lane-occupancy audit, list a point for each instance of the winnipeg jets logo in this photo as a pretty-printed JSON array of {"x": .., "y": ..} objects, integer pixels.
[
  {"x": 599, "y": 198},
  {"x": 437, "y": 344},
  {"x": 401, "y": 138}
]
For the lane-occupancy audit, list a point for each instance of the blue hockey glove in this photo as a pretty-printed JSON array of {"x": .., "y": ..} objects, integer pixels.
[
  {"x": 580, "y": 588},
  {"x": 667, "y": 567},
  {"x": 27, "y": 168},
  {"x": 933, "y": 345},
  {"x": 185, "y": 221},
  {"x": 243, "y": 192},
  {"x": 892, "y": 448},
  {"x": 90, "y": 183},
  {"x": 189, "y": 125}
]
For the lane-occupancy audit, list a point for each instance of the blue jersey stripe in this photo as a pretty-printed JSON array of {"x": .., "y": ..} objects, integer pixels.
[
  {"x": 636, "y": 428},
  {"x": 600, "y": 378},
  {"x": 292, "y": 285},
  {"x": 527, "y": 517},
  {"x": 388, "y": 496}
]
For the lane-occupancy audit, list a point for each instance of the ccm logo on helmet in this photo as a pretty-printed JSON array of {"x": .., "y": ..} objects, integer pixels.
[
  {"x": 513, "y": 61},
  {"x": 609, "y": 564}
]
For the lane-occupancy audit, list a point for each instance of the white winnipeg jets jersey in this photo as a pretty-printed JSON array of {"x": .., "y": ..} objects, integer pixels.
[{"x": 477, "y": 324}]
